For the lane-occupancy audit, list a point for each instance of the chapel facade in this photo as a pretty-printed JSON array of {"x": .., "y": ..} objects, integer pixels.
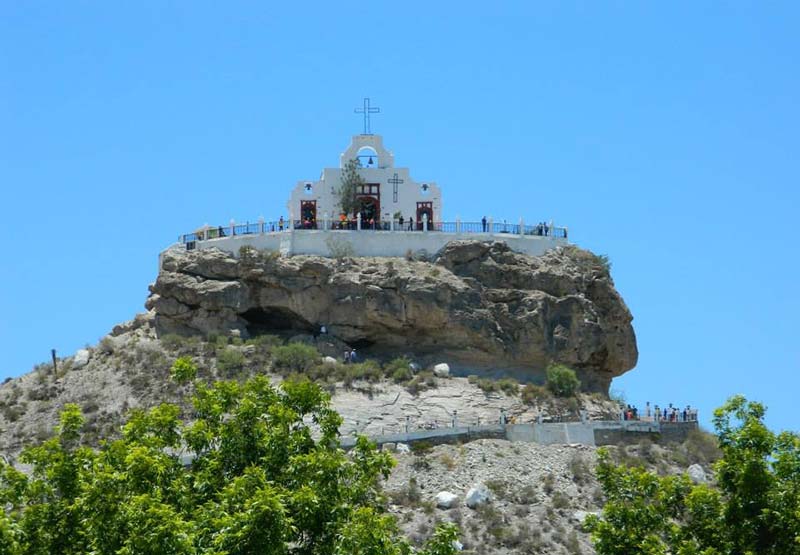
[{"x": 389, "y": 193}]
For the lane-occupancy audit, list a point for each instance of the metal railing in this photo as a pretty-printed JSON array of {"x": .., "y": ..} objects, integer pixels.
[{"x": 208, "y": 233}]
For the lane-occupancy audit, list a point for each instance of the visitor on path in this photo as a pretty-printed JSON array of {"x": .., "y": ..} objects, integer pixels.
[
  {"x": 483, "y": 223},
  {"x": 347, "y": 356},
  {"x": 410, "y": 223},
  {"x": 353, "y": 356},
  {"x": 401, "y": 221},
  {"x": 280, "y": 224}
]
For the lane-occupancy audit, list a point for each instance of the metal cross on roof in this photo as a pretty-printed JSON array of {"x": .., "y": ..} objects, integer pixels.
[{"x": 367, "y": 110}]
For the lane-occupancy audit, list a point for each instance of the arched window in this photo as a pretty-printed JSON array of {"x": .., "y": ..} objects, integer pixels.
[{"x": 367, "y": 157}]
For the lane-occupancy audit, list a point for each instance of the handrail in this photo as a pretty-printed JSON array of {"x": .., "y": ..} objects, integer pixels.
[{"x": 281, "y": 226}]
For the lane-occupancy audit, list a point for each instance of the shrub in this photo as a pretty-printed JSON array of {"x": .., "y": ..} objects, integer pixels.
[
  {"x": 486, "y": 385},
  {"x": 230, "y": 361},
  {"x": 509, "y": 386},
  {"x": 172, "y": 341},
  {"x": 184, "y": 370},
  {"x": 562, "y": 380},
  {"x": 402, "y": 375},
  {"x": 533, "y": 394},
  {"x": 294, "y": 357},
  {"x": 581, "y": 473},
  {"x": 397, "y": 368}
]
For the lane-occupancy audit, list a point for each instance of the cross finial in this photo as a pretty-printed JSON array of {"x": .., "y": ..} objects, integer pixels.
[{"x": 367, "y": 110}]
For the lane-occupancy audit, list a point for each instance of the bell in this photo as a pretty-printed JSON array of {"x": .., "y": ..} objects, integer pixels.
[{"x": 370, "y": 161}]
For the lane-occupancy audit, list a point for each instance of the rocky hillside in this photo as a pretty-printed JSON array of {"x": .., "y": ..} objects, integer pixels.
[
  {"x": 484, "y": 310},
  {"x": 479, "y": 305}
]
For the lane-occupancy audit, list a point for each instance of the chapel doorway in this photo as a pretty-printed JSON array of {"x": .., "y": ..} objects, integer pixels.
[
  {"x": 424, "y": 208},
  {"x": 369, "y": 205},
  {"x": 308, "y": 214}
]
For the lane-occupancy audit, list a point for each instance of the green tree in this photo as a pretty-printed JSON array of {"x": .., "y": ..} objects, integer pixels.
[
  {"x": 755, "y": 508},
  {"x": 562, "y": 380},
  {"x": 351, "y": 180},
  {"x": 183, "y": 370},
  {"x": 262, "y": 473}
]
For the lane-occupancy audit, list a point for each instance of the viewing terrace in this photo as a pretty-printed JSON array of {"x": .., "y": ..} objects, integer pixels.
[{"x": 388, "y": 238}]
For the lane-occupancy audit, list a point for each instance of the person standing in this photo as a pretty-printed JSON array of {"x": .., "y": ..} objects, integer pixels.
[{"x": 483, "y": 224}]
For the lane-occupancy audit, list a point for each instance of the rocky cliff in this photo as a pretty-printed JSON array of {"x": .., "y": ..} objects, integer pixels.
[{"x": 477, "y": 304}]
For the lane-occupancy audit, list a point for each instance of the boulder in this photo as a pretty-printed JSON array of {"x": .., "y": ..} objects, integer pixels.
[
  {"x": 697, "y": 474},
  {"x": 479, "y": 305},
  {"x": 441, "y": 370},
  {"x": 330, "y": 360},
  {"x": 403, "y": 448},
  {"x": 81, "y": 358},
  {"x": 446, "y": 499},
  {"x": 580, "y": 515},
  {"x": 477, "y": 496}
]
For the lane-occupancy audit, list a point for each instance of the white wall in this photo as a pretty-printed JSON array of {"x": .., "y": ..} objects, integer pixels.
[{"x": 372, "y": 243}]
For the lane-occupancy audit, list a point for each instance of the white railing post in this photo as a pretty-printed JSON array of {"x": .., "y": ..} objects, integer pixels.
[
  {"x": 291, "y": 222},
  {"x": 491, "y": 224},
  {"x": 358, "y": 221},
  {"x": 325, "y": 221},
  {"x": 458, "y": 224},
  {"x": 391, "y": 224},
  {"x": 261, "y": 225},
  {"x": 233, "y": 224},
  {"x": 521, "y": 226},
  {"x": 425, "y": 222}
]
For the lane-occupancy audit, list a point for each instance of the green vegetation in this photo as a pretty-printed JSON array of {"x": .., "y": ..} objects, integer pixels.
[
  {"x": 260, "y": 482},
  {"x": 533, "y": 394},
  {"x": 755, "y": 508},
  {"x": 351, "y": 180},
  {"x": 294, "y": 357},
  {"x": 230, "y": 361},
  {"x": 183, "y": 370},
  {"x": 562, "y": 380}
]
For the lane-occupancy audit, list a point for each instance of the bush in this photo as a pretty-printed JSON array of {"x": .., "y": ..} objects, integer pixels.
[
  {"x": 172, "y": 341},
  {"x": 399, "y": 369},
  {"x": 486, "y": 385},
  {"x": 533, "y": 394},
  {"x": 294, "y": 357},
  {"x": 562, "y": 380},
  {"x": 509, "y": 386},
  {"x": 183, "y": 370},
  {"x": 230, "y": 361}
]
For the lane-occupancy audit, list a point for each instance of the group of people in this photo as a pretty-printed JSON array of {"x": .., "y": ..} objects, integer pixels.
[
  {"x": 658, "y": 414},
  {"x": 350, "y": 356}
]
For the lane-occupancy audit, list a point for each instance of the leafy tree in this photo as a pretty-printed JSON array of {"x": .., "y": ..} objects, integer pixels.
[
  {"x": 351, "y": 180},
  {"x": 562, "y": 380},
  {"x": 755, "y": 508},
  {"x": 266, "y": 475},
  {"x": 183, "y": 370}
]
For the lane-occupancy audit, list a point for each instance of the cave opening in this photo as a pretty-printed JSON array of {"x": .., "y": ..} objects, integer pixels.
[{"x": 276, "y": 321}]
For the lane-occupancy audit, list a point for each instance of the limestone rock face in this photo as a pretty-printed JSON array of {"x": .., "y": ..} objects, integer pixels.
[{"x": 478, "y": 305}]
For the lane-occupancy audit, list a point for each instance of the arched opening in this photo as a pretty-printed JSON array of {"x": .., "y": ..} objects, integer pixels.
[
  {"x": 275, "y": 320},
  {"x": 367, "y": 157},
  {"x": 370, "y": 210}
]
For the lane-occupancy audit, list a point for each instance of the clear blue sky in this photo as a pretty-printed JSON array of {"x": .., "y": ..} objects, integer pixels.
[{"x": 662, "y": 134}]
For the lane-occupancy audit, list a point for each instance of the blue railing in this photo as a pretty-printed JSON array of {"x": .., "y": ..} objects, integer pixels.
[{"x": 542, "y": 230}]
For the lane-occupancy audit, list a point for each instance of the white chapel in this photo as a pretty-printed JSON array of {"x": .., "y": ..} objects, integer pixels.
[{"x": 389, "y": 193}]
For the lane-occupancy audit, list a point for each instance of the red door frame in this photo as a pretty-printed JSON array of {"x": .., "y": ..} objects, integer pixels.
[{"x": 422, "y": 208}]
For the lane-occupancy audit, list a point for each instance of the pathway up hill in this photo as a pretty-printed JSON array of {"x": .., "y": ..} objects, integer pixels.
[{"x": 479, "y": 306}]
